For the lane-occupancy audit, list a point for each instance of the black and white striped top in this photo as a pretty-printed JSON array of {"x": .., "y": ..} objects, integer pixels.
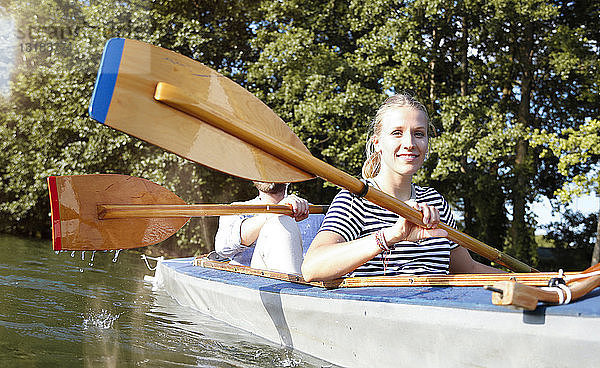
[{"x": 353, "y": 217}]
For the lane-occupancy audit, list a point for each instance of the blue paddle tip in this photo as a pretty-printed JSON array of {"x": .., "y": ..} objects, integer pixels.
[{"x": 106, "y": 79}]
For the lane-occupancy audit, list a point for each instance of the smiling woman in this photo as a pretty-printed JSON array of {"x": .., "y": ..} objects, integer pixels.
[
  {"x": 401, "y": 144},
  {"x": 389, "y": 110},
  {"x": 362, "y": 239}
]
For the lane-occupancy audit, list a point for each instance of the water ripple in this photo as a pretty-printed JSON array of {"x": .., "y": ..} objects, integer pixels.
[{"x": 53, "y": 315}]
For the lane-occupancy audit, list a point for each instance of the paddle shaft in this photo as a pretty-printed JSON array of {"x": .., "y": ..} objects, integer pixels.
[
  {"x": 114, "y": 211},
  {"x": 181, "y": 100}
]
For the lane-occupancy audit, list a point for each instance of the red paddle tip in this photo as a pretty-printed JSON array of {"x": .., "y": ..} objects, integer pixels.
[{"x": 54, "y": 213}]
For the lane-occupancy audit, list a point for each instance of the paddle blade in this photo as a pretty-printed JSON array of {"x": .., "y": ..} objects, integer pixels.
[
  {"x": 123, "y": 99},
  {"x": 75, "y": 224}
]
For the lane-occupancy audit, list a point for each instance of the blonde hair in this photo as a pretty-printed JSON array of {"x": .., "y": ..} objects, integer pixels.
[{"x": 372, "y": 163}]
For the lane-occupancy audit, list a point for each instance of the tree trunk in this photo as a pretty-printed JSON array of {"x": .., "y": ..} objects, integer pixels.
[
  {"x": 521, "y": 240},
  {"x": 519, "y": 233}
]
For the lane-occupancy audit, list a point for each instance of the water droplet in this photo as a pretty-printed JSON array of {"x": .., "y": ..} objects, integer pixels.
[
  {"x": 73, "y": 254},
  {"x": 83, "y": 255},
  {"x": 116, "y": 255},
  {"x": 57, "y": 252},
  {"x": 91, "y": 264}
]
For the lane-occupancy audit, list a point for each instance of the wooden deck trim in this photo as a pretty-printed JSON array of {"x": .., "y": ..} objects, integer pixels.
[{"x": 469, "y": 280}]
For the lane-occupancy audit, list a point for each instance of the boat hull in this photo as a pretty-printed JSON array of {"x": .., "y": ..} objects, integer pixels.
[{"x": 391, "y": 326}]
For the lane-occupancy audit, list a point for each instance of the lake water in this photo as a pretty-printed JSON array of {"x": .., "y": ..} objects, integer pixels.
[{"x": 69, "y": 310}]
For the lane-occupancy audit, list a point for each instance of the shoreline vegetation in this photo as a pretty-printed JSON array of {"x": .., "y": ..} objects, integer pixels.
[{"x": 511, "y": 89}]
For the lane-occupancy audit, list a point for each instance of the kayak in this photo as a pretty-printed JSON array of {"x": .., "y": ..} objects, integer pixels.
[
  {"x": 383, "y": 321},
  {"x": 426, "y": 326}
]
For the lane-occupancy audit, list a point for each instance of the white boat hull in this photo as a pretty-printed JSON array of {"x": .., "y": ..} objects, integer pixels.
[{"x": 357, "y": 329}]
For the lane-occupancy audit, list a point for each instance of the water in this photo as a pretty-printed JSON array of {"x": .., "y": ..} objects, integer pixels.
[{"x": 59, "y": 310}]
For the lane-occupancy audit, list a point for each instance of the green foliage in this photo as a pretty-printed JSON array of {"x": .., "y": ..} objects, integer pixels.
[
  {"x": 571, "y": 240},
  {"x": 574, "y": 230},
  {"x": 503, "y": 80},
  {"x": 578, "y": 152},
  {"x": 489, "y": 72},
  {"x": 45, "y": 126}
]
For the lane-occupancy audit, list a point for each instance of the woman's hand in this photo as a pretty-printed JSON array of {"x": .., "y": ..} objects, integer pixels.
[
  {"x": 404, "y": 230},
  {"x": 299, "y": 206}
]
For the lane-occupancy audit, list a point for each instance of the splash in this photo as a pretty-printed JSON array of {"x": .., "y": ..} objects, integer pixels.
[{"x": 103, "y": 320}]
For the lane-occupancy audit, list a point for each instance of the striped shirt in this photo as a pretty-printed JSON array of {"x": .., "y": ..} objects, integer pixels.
[{"x": 352, "y": 217}]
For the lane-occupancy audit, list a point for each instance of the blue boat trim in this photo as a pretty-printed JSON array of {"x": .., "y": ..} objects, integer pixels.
[
  {"x": 473, "y": 298},
  {"x": 107, "y": 78}
]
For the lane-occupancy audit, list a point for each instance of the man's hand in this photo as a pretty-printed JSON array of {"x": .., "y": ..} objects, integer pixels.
[{"x": 299, "y": 206}]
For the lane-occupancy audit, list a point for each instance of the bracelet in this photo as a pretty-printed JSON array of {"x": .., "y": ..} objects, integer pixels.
[
  {"x": 386, "y": 250},
  {"x": 381, "y": 243}
]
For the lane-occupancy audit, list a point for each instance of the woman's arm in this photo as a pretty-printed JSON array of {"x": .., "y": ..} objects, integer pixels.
[
  {"x": 462, "y": 262},
  {"x": 330, "y": 257}
]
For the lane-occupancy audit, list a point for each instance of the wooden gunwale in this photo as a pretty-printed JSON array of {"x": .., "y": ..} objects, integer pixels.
[{"x": 468, "y": 280}]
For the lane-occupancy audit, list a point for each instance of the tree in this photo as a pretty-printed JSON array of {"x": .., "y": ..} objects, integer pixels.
[
  {"x": 489, "y": 72},
  {"x": 45, "y": 126},
  {"x": 578, "y": 151},
  {"x": 306, "y": 73}
]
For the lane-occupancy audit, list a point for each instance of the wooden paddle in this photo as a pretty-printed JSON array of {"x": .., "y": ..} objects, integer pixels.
[
  {"x": 183, "y": 106},
  {"x": 123, "y": 99},
  {"x": 104, "y": 211}
]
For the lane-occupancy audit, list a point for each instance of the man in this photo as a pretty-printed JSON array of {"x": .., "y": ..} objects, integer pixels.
[{"x": 265, "y": 241}]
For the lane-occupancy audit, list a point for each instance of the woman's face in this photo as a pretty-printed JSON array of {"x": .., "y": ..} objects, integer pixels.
[{"x": 403, "y": 141}]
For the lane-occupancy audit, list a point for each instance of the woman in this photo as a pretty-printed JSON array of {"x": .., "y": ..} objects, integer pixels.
[{"x": 362, "y": 239}]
